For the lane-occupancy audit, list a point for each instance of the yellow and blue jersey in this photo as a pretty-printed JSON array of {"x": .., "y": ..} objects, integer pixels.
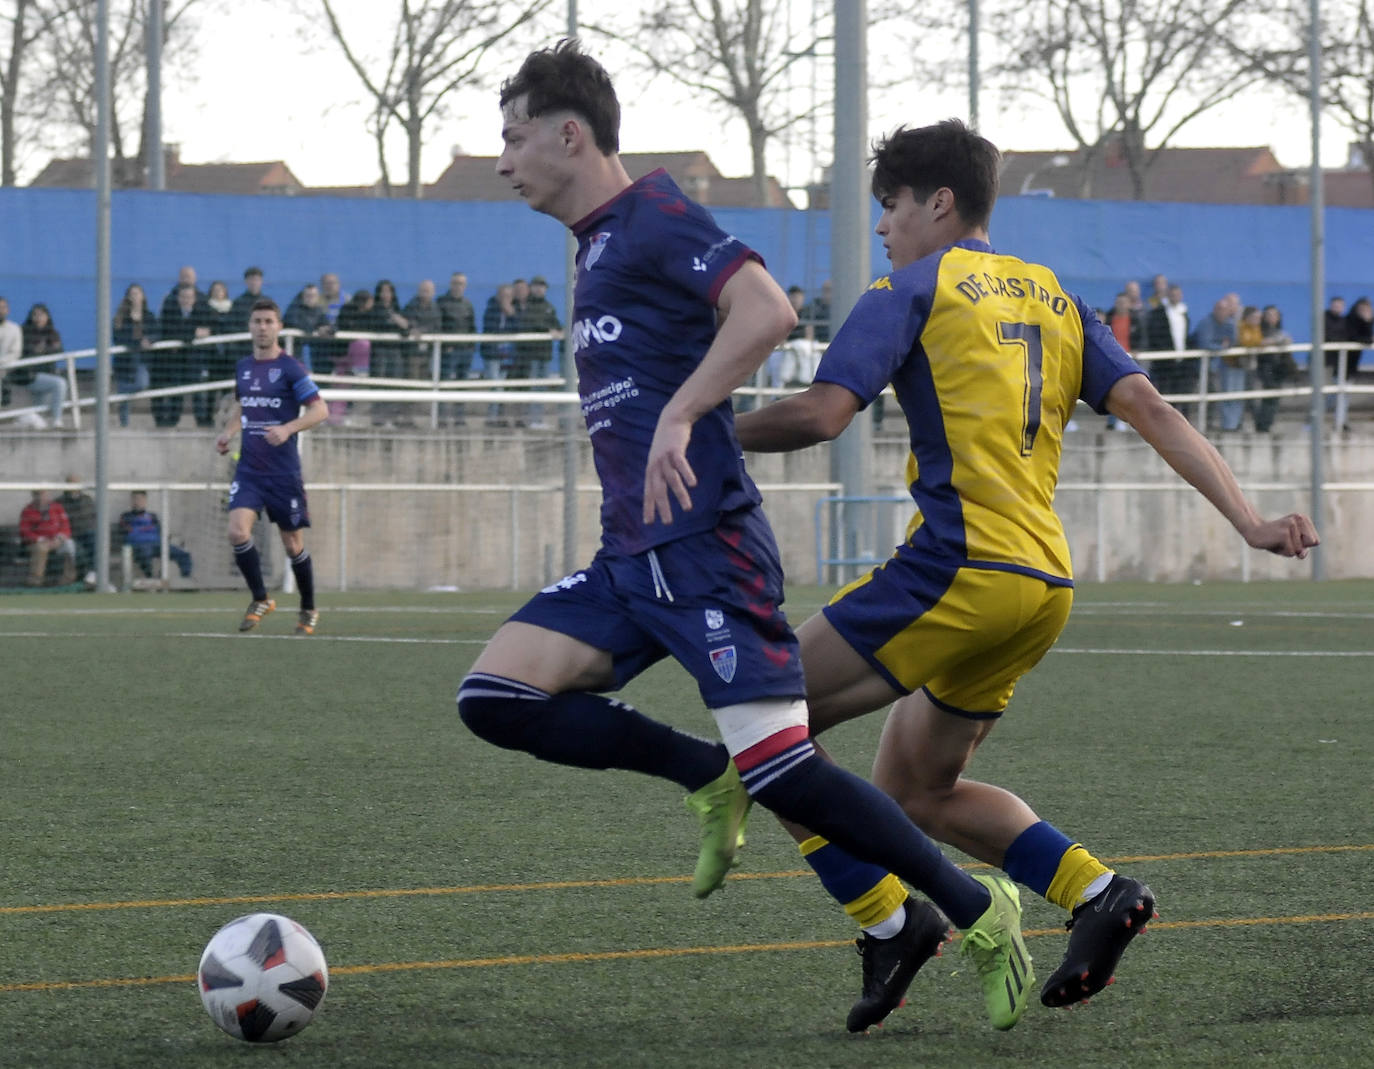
[{"x": 987, "y": 355}]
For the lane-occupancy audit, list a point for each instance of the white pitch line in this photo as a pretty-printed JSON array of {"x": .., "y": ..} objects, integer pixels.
[
  {"x": 384, "y": 639},
  {"x": 332, "y": 610},
  {"x": 235, "y": 637},
  {"x": 1215, "y": 653}
]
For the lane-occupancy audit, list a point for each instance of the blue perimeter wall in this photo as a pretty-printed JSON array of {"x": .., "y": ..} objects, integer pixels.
[{"x": 47, "y": 247}]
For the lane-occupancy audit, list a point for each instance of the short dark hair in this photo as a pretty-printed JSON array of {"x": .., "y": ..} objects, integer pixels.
[
  {"x": 265, "y": 304},
  {"x": 253, "y": 271},
  {"x": 946, "y": 155},
  {"x": 564, "y": 78}
]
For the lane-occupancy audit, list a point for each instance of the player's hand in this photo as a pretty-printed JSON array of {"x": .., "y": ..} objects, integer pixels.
[
  {"x": 1291, "y": 536},
  {"x": 277, "y": 434},
  {"x": 222, "y": 443},
  {"x": 667, "y": 471}
]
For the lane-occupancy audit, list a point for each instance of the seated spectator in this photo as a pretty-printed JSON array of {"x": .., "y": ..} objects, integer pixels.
[
  {"x": 135, "y": 330},
  {"x": 43, "y": 527},
  {"x": 1274, "y": 365},
  {"x": 46, "y": 385},
  {"x": 143, "y": 536},
  {"x": 80, "y": 510}
]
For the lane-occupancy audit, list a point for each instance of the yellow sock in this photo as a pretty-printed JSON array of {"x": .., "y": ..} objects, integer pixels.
[
  {"x": 1077, "y": 871},
  {"x": 869, "y": 893}
]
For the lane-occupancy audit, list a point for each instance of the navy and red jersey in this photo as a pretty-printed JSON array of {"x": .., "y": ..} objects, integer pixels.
[
  {"x": 650, "y": 266},
  {"x": 271, "y": 392}
]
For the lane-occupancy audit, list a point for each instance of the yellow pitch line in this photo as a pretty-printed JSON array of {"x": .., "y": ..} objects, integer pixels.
[
  {"x": 650, "y": 953},
  {"x": 565, "y": 885}
]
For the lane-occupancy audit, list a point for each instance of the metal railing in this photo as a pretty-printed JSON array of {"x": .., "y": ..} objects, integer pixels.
[{"x": 437, "y": 390}]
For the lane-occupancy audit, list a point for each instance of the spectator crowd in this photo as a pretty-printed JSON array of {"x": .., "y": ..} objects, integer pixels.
[{"x": 327, "y": 317}]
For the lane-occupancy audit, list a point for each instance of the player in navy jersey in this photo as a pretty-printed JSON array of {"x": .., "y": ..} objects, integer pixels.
[
  {"x": 275, "y": 400},
  {"x": 987, "y": 355},
  {"x": 671, "y": 315}
]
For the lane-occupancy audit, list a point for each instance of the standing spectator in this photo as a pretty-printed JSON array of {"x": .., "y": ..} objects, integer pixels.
[
  {"x": 243, "y": 304},
  {"x": 80, "y": 510},
  {"x": 1215, "y": 333},
  {"x": 43, "y": 527},
  {"x": 1359, "y": 328},
  {"x": 458, "y": 316},
  {"x": 143, "y": 535},
  {"x": 307, "y": 314},
  {"x": 1166, "y": 330},
  {"x": 1337, "y": 329},
  {"x": 422, "y": 312},
  {"x": 213, "y": 362},
  {"x": 191, "y": 320},
  {"x": 520, "y": 292},
  {"x": 1137, "y": 308},
  {"x": 169, "y": 303},
  {"x": 135, "y": 329},
  {"x": 1159, "y": 293},
  {"x": 388, "y": 357},
  {"x": 1250, "y": 336},
  {"x": 816, "y": 314},
  {"x": 46, "y": 387},
  {"x": 354, "y": 357},
  {"x": 499, "y": 317},
  {"x": 534, "y": 358},
  {"x": 1274, "y": 365},
  {"x": 327, "y": 351},
  {"x": 1127, "y": 327}
]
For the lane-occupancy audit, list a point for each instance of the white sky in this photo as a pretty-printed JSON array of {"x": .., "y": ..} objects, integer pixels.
[{"x": 260, "y": 95}]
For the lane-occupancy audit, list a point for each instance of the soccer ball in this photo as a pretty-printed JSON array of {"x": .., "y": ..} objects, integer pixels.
[{"x": 262, "y": 977}]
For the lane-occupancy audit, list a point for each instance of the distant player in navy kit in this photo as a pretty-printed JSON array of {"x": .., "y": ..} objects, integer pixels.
[
  {"x": 671, "y": 314},
  {"x": 274, "y": 401}
]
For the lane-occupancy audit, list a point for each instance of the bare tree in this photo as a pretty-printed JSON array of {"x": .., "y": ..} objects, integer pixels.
[
  {"x": 1124, "y": 71},
  {"x": 741, "y": 56},
  {"x": 67, "y": 72},
  {"x": 437, "y": 47},
  {"x": 1346, "y": 38},
  {"x": 25, "y": 22}
]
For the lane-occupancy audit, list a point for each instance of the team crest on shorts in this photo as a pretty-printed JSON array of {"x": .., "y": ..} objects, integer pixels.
[
  {"x": 723, "y": 661},
  {"x": 715, "y": 619}
]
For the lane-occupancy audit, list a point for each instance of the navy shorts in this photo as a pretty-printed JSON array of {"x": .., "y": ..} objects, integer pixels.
[
  {"x": 711, "y": 601},
  {"x": 282, "y": 499}
]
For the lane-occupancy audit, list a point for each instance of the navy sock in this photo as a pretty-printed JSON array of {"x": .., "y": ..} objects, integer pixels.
[
  {"x": 304, "y": 572},
  {"x": 1033, "y": 857},
  {"x": 250, "y": 564},
  {"x": 585, "y": 730},
  {"x": 856, "y": 816}
]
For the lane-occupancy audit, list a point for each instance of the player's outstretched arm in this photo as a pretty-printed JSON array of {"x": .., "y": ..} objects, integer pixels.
[
  {"x": 1135, "y": 400},
  {"x": 755, "y": 318},
  {"x": 818, "y": 414}
]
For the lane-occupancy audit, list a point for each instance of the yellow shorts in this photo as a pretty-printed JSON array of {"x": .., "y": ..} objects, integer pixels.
[{"x": 963, "y": 634}]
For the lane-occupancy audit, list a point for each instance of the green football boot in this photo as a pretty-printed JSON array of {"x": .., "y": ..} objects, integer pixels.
[
  {"x": 993, "y": 943},
  {"x": 722, "y": 806}
]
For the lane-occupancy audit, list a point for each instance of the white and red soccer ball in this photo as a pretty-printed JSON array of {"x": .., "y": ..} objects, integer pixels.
[{"x": 262, "y": 977}]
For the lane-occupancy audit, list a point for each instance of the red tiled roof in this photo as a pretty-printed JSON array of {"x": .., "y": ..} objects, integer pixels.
[{"x": 271, "y": 176}]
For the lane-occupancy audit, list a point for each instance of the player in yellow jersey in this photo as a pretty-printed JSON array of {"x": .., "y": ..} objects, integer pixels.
[{"x": 987, "y": 355}]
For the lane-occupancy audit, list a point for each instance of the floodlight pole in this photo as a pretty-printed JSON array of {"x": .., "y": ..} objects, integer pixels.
[
  {"x": 1316, "y": 360},
  {"x": 101, "y": 163},
  {"x": 152, "y": 136},
  {"x": 851, "y": 455}
]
